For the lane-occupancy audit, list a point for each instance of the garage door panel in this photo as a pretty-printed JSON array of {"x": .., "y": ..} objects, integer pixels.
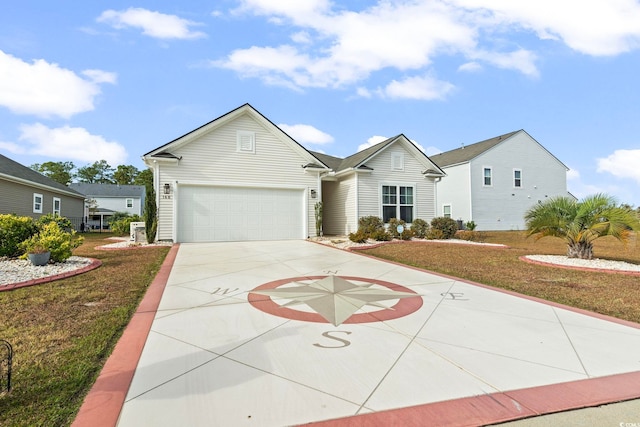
[{"x": 239, "y": 214}]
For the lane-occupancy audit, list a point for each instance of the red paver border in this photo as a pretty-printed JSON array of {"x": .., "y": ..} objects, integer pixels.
[
  {"x": 95, "y": 263},
  {"x": 103, "y": 403}
]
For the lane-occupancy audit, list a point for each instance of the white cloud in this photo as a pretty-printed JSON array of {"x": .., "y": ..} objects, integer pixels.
[
  {"x": 68, "y": 143},
  {"x": 593, "y": 27},
  {"x": 425, "y": 88},
  {"x": 44, "y": 89},
  {"x": 621, "y": 164},
  {"x": 376, "y": 139},
  {"x": 306, "y": 134},
  {"x": 153, "y": 24},
  {"x": 336, "y": 47}
]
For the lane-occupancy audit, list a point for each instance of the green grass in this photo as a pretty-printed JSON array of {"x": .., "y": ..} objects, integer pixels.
[
  {"x": 62, "y": 332},
  {"x": 615, "y": 295}
]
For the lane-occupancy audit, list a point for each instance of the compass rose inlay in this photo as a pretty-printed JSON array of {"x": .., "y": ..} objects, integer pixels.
[{"x": 335, "y": 299}]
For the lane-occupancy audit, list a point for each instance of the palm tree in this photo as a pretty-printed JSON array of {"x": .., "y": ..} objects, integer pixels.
[{"x": 580, "y": 223}]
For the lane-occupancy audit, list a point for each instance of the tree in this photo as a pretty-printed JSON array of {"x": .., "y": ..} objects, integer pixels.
[
  {"x": 98, "y": 173},
  {"x": 144, "y": 177},
  {"x": 125, "y": 175},
  {"x": 150, "y": 214},
  {"x": 580, "y": 223},
  {"x": 60, "y": 172}
]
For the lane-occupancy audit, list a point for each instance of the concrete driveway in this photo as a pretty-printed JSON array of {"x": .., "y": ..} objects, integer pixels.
[{"x": 294, "y": 332}]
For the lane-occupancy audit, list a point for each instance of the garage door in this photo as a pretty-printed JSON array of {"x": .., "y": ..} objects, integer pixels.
[{"x": 223, "y": 214}]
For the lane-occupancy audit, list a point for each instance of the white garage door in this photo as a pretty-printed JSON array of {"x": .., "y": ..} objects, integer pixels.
[{"x": 223, "y": 214}]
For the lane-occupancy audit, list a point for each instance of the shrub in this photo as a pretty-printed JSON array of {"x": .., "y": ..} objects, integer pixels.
[
  {"x": 14, "y": 230},
  {"x": 381, "y": 235},
  {"x": 406, "y": 234},
  {"x": 447, "y": 226},
  {"x": 420, "y": 228},
  {"x": 470, "y": 225},
  {"x": 122, "y": 226},
  {"x": 370, "y": 224},
  {"x": 470, "y": 235},
  {"x": 63, "y": 222},
  {"x": 435, "y": 234},
  {"x": 51, "y": 237},
  {"x": 358, "y": 237}
]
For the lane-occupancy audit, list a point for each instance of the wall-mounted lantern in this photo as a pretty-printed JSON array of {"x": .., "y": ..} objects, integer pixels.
[
  {"x": 167, "y": 188},
  {"x": 314, "y": 194}
]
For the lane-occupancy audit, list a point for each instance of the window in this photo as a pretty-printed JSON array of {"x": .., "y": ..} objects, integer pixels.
[
  {"x": 56, "y": 206},
  {"x": 446, "y": 211},
  {"x": 486, "y": 175},
  {"x": 37, "y": 203},
  {"x": 246, "y": 142},
  {"x": 397, "y": 161},
  {"x": 129, "y": 203},
  {"x": 517, "y": 178},
  {"x": 397, "y": 202}
]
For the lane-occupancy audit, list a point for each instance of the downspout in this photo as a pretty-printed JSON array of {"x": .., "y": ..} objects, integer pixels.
[{"x": 357, "y": 212}]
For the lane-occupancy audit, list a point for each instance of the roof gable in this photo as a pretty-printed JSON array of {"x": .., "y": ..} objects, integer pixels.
[
  {"x": 359, "y": 160},
  {"x": 14, "y": 171},
  {"x": 165, "y": 151}
]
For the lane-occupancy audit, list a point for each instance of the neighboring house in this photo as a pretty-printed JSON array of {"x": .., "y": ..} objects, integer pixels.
[
  {"x": 240, "y": 177},
  {"x": 26, "y": 192},
  {"x": 103, "y": 200},
  {"x": 494, "y": 182}
]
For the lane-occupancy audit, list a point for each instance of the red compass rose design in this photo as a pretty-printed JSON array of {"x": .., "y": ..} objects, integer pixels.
[{"x": 335, "y": 299}]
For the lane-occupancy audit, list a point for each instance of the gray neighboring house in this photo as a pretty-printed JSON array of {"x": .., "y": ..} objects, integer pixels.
[
  {"x": 495, "y": 181},
  {"x": 25, "y": 192},
  {"x": 104, "y": 200}
]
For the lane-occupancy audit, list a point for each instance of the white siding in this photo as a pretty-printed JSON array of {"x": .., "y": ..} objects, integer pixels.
[
  {"x": 339, "y": 201},
  {"x": 454, "y": 190},
  {"x": 119, "y": 204},
  {"x": 503, "y": 206},
  {"x": 214, "y": 159},
  {"x": 370, "y": 184}
]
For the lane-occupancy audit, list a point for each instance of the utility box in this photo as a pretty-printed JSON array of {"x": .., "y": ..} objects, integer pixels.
[{"x": 135, "y": 229}]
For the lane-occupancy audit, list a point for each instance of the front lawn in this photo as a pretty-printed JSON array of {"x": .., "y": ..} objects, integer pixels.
[
  {"x": 615, "y": 295},
  {"x": 62, "y": 332}
]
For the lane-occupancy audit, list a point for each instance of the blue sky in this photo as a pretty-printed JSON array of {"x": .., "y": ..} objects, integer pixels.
[{"x": 83, "y": 81}]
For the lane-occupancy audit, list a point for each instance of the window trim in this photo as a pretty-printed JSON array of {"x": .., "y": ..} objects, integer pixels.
[
  {"x": 36, "y": 203},
  {"x": 398, "y": 205},
  {"x": 517, "y": 180},
  {"x": 444, "y": 210},
  {"x": 241, "y": 142},
  {"x": 55, "y": 211},
  {"x": 484, "y": 177},
  {"x": 127, "y": 201}
]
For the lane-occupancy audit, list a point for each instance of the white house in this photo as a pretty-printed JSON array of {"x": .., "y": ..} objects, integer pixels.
[
  {"x": 240, "y": 177},
  {"x": 103, "y": 200},
  {"x": 494, "y": 182}
]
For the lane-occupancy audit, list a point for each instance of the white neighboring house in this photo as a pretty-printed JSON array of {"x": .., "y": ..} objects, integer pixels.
[
  {"x": 240, "y": 177},
  {"x": 104, "y": 200},
  {"x": 494, "y": 182}
]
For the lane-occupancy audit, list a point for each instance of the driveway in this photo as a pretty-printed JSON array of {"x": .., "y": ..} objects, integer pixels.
[{"x": 294, "y": 332}]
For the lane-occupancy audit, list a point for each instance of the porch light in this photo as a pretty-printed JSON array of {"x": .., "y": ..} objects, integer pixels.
[
  {"x": 167, "y": 188},
  {"x": 314, "y": 194}
]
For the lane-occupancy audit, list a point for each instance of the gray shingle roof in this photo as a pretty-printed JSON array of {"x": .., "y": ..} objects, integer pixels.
[
  {"x": 357, "y": 160},
  {"x": 468, "y": 152},
  {"x": 14, "y": 169},
  {"x": 109, "y": 190}
]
